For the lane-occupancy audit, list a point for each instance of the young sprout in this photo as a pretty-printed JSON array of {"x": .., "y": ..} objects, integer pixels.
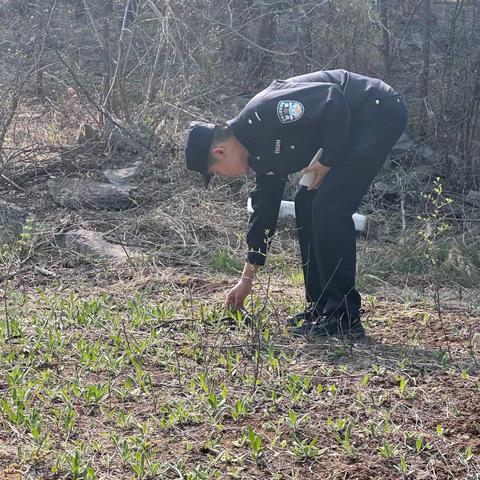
[
  {"x": 255, "y": 441},
  {"x": 387, "y": 451}
]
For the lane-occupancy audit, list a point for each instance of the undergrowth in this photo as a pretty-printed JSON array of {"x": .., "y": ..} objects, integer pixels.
[{"x": 125, "y": 387}]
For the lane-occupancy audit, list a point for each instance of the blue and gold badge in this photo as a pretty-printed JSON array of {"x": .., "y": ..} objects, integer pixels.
[{"x": 289, "y": 111}]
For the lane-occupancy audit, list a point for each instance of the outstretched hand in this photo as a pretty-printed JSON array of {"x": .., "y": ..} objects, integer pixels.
[
  {"x": 320, "y": 171},
  {"x": 236, "y": 296}
]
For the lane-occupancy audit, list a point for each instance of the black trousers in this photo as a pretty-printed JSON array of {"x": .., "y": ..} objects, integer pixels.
[{"x": 326, "y": 230}]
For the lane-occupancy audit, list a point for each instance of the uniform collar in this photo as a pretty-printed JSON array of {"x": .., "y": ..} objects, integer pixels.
[
  {"x": 245, "y": 128},
  {"x": 242, "y": 134}
]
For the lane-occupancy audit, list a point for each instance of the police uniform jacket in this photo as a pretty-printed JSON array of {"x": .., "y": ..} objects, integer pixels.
[{"x": 283, "y": 127}]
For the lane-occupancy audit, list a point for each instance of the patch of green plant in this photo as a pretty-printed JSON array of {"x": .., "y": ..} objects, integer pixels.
[
  {"x": 307, "y": 449},
  {"x": 224, "y": 261}
]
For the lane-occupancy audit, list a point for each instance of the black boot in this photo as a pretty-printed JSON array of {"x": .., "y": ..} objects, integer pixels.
[
  {"x": 342, "y": 325},
  {"x": 311, "y": 314}
]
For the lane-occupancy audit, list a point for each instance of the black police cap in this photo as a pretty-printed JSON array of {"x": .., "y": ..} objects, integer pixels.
[{"x": 197, "y": 147}]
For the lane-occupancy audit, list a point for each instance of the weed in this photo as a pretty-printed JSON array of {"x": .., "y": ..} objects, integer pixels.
[
  {"x": 387, "y": 451},
  {"x": 240, "y": 410},
  {"x": 297, "y": 387},
  {"x": 75, "y": 464},
  {"x": 255, "y": 441},
  {"x": 402, "y": 466},
  {"x": 294, "y": 421},
  {"x": 307, "y": 449},
  {"x": 342, "y": 433},
  {"x": 224, "y": 261}
]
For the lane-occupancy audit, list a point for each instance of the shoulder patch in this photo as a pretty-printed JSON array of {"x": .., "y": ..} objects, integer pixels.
[{"x": 289, "y": 111}]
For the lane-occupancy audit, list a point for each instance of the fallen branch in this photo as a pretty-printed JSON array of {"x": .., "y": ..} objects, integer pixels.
[
  {"x": 45, "y": 272},
  {"x": 12, "y": 183}
]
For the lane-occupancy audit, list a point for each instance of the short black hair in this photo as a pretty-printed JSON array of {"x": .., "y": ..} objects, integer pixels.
[{"x": 221, "y": 134}]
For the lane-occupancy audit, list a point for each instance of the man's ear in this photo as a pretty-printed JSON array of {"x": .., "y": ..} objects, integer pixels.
[{"x": 218, "y": 152}]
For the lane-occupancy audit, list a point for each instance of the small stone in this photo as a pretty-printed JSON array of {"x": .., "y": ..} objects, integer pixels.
[{"x": 123, "y": 176}]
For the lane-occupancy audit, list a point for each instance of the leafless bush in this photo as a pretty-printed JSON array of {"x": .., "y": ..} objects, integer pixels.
[{"x": 158, "y": 64}]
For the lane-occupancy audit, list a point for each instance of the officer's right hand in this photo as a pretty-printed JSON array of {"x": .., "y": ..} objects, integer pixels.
[
  {"x": 319, "y": 172},
  {"x": 236, "y": 296}
]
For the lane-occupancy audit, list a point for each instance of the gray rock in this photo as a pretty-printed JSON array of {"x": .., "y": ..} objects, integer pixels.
[
  {"x": 119, "y": 141},
  {"x": 89, "y": 242},
  {"x": 122, "y": 177},
  {"x": 382, "y": 187},
  {"x": 129, "y": 138},
  {"x": 407, "y": 148},
  {"x": 12, "y": 221},
  {"x": 78, "y": 193},
  {"x": 403, "y": 145}
]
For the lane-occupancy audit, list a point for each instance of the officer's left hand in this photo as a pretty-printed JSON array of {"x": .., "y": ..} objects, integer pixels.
[{"x": 320, "y": 172}]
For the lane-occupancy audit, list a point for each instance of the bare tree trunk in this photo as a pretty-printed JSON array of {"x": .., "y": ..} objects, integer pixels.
[
  {"x": 470, "y": 127},
  {"x": 448, "y": 72},
  {"x": 106, "y": 99},
  {"x": 261, "y": 59},
  {"x": 241, "y": 15},
  {"x": 425, "y": 74},
  {"x": 7, "y": 118},
  {"x": 131, "y": 10},
  {"x": 384, "y": 20},
  {"x": 38, "y": 52},
  {"x": 305, "y": 37}
]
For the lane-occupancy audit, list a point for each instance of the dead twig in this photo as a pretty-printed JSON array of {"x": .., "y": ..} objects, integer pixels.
[{"x": 12, "y": 183}]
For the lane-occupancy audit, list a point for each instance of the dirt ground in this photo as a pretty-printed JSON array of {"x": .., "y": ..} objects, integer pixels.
[{"x": 137, "y": 372}]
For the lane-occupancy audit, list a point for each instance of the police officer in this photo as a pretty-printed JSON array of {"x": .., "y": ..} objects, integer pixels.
[{"x": 356, "y": 120}]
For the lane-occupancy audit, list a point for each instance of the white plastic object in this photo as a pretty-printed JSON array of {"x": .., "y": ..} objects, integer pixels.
[
  {"x": 309, "y": 177},
  {"x": 287, "y": 209}
]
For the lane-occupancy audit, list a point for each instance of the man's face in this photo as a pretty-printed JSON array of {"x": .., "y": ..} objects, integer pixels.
[{"x": 231, "y": 160}]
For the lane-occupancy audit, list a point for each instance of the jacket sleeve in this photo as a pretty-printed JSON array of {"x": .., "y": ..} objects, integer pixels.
[
  {"x": 266, "y": 199},
  {"x": 335, "y": 129}
]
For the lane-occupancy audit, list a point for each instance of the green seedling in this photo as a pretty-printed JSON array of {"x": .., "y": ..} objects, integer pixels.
[
  {"x": 294, "y": 421},
  {"x": 307, "y": 449},
  {"x": 342, "y": 433},
  {"x": 387, "y": 451},
  {"x": 240, "y": 410},
  {"x": 297, "y": 387},
  {"x": 78, "y": 469},
  {"x": 467, "y": 456},
  {"x": 402, "y": 466},
  {"x": 94, "y": 394},
  {"x": 255, "y": 441}
]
